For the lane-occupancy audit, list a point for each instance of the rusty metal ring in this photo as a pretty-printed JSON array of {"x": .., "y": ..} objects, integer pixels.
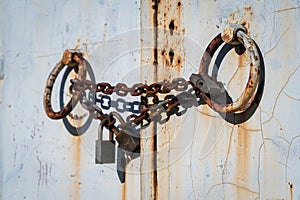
[
  {"x": 243, "y": 102},
  {"x": 240, "y": 117},
  {"x": 67, "y": 60}
]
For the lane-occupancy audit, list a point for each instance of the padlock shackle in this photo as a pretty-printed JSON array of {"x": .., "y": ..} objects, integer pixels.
[
  {"x": 118, "y": 116},
  {"x": 100, "y": 130}
]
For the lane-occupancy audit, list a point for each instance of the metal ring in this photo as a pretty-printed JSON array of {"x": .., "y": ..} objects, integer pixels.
[
  {"x": 245, "y": 99},
  {"x": 50, "y": 83},
  {"x": 240, "y": 117}
]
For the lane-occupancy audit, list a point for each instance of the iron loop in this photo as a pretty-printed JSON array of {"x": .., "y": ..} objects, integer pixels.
[
  {"x": 245, "y": 100},
  {"x": 69, "y": 61}
]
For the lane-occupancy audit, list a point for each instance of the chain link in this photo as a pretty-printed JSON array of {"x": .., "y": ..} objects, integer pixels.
[
  {"x": 120, "y": 105},
  {"x": 144, "y": 112},
  {"x": 121, "y": 89},
  {"x": 150, "y": 108}
]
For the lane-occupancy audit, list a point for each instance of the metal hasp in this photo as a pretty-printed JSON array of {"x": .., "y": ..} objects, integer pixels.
[
  {"x": 234, "y": 34},
  {"x": 105, "y": 149},
  {"x": 207, "y": 84}
]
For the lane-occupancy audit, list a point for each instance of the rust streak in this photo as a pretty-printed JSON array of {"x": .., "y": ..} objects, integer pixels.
[
  {"x": 170, "y": 60},
  {"x": 243, "y": 154},
  {"x": 124, "y": 191},
  {"x": 291, "y": 190},
  {"x": 154, "y": 178},
  {"x": 77, "y": 165},
  {"x": 154, "y": 139},
  {"x": 242, "y": 143},
  {"x": 78, "y": 44},
  {"x": 153, "y": 146}
]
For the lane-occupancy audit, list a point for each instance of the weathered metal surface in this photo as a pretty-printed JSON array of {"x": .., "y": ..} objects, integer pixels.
[{"x": 199, "y": 156}]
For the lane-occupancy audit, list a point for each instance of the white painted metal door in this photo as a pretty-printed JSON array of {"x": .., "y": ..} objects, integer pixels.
[{"x": 197, "y": 155}]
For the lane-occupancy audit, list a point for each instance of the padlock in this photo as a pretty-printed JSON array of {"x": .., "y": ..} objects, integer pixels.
[
  {"x": 105, "y": 149},
  {"x": 128, "y": 139}
]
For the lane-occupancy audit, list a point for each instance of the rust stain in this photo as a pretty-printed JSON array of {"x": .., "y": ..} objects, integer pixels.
[
  {"x": 155, "y": 182},
  {"x": 86, "y": 53},
  {"x": 155, "y": 49},
  {"x": 78, "y": 44},
  {"x": 149, "y": 183},
  {"x": 77, "y": 164},
  {"x": 170, "y": 61},
  {"x": 243, "y": 159},
  {"x": 240, "y": 63},
  {"x": 243, "y": 17},
  {"x": 124, "y": 191},
  {"x": 167, "y": 58},
  {"x": 153, "y": 148},
  {"x": 291, "y": 190},
  {"x": 243, "y": 155},
  {"x": 169, "y": 16}
]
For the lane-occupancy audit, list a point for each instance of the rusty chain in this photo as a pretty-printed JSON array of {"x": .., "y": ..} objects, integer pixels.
[
  {"x": 119, "y": 104},
  {"x": 170, "y": 105},
  {"x": 159, "y": 110}
]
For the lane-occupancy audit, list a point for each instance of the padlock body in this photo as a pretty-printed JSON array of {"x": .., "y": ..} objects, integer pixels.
[
  {"x": 105, "y": 152},
  {"x": 127, "y": 142}
]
